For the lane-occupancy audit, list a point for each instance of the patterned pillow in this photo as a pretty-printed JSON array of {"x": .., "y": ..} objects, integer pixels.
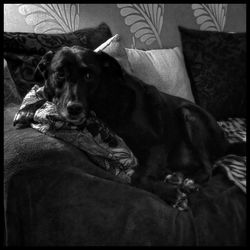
[
  {"x": 216, "y": 63},
  {"x": 23, "y": 51},
  {"x": 22, "y": 68},
  {"x": 32, "y": 43}
]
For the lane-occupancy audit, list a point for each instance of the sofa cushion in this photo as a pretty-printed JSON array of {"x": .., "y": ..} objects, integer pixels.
[{"x": 216, "y": 64}]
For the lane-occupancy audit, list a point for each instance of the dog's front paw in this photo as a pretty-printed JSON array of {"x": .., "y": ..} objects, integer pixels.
[
  {"x": 175, "y": 178},
  {"x": 183, "y": 187},
  {"x": 189, "y": 186},
  {"x": 181, "y": 202}
]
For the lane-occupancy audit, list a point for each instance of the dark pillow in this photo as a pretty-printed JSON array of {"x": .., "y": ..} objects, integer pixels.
[
  {"x": 23, "y": 51},
  {"x": 32, "y": 43},
  {"x": 22, "y": 68},
  {"x": 93, "y": 37},
  {"x": 216, "y": 64}
]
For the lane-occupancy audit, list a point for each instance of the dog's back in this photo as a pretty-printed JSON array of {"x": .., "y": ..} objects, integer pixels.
[{"x": 191, "y": 135}]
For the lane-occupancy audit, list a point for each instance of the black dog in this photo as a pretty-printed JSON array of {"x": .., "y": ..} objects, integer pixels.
[{"x": 166, "y": 133}]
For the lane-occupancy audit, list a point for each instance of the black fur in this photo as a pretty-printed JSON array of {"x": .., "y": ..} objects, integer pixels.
[{"x": 166, "y": 133}]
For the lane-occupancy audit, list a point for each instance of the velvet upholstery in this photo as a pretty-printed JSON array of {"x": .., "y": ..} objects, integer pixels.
[{"x": 54, "y": 195}]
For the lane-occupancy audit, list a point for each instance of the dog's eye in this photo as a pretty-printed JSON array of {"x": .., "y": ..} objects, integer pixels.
[
  {"x": 59, "y": 84},
  {"x": 59, "y": 79},
  {"x": 60, "y": 74},
  {"x": 88, "y": 76}
]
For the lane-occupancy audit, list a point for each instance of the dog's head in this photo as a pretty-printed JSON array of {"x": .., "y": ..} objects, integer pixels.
[{"x": 76, "y": 78}]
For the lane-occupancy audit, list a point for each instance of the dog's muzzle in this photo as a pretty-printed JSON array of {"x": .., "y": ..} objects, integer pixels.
[
  {"x": 75, "y": 113},
  {"x": 74, "y": 108}
]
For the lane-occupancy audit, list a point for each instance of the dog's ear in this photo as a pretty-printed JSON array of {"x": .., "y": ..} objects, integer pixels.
[
  {"x": 41, "y": 72},
  {"x": 48, "y": 90},
  {"x": 110, "y": 65},
  {"x": 41, "y": 75}
]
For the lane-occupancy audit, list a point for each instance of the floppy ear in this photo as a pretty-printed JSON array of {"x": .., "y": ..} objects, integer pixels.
[
  {"x": 110, "y": 65},
  {"x": 116, "y": 90},
  {"x": 41, "y": 72}
]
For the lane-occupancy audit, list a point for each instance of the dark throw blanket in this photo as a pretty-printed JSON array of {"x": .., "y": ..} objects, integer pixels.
[{"x": 55, "y": 195}]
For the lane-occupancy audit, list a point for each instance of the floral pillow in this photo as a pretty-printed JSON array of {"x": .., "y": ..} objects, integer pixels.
[
  {"x": 216, "y": 63},
  {"x": 23, "y": 51}
]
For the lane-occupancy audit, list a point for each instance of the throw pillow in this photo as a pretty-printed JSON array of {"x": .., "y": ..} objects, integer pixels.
[
  {"x": 93, "y": 37},
  {"x": 216, "y": 64},
  {"x": 32, "y": 43},
  {"x": 22, "y": 68},
  {"x": 162, "y": 68},
  {"x": 23, "y": 51}
]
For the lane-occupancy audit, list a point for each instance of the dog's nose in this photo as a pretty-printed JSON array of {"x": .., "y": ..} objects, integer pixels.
[{"x": 74, "y": 108}]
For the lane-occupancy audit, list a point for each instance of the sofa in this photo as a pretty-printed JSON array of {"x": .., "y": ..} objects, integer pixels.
[{"x": 56, "y": 195}]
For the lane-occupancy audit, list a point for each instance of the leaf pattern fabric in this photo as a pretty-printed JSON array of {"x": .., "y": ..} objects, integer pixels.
[
  {"x": 210, "y": 16},
  {"x": 145, "y": 21},
  {"x": 51, "y": 18}
]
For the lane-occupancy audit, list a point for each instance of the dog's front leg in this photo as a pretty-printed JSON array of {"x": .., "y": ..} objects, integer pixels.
[
  {"x": 166, "y": 191},
  {"x": 151, "y": 178}
]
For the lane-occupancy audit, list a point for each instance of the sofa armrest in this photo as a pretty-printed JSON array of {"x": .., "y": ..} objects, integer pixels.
[{"x": 10, "y": 92}]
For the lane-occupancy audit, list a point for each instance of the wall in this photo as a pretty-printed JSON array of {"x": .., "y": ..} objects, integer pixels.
[{"x": 144, "y": 26}]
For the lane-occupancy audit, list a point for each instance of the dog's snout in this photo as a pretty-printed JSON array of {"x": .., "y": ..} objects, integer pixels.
[{"x": 74, "y": 108}]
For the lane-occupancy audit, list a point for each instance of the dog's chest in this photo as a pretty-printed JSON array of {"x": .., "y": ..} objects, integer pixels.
[{"x": 138, "y": 136}]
